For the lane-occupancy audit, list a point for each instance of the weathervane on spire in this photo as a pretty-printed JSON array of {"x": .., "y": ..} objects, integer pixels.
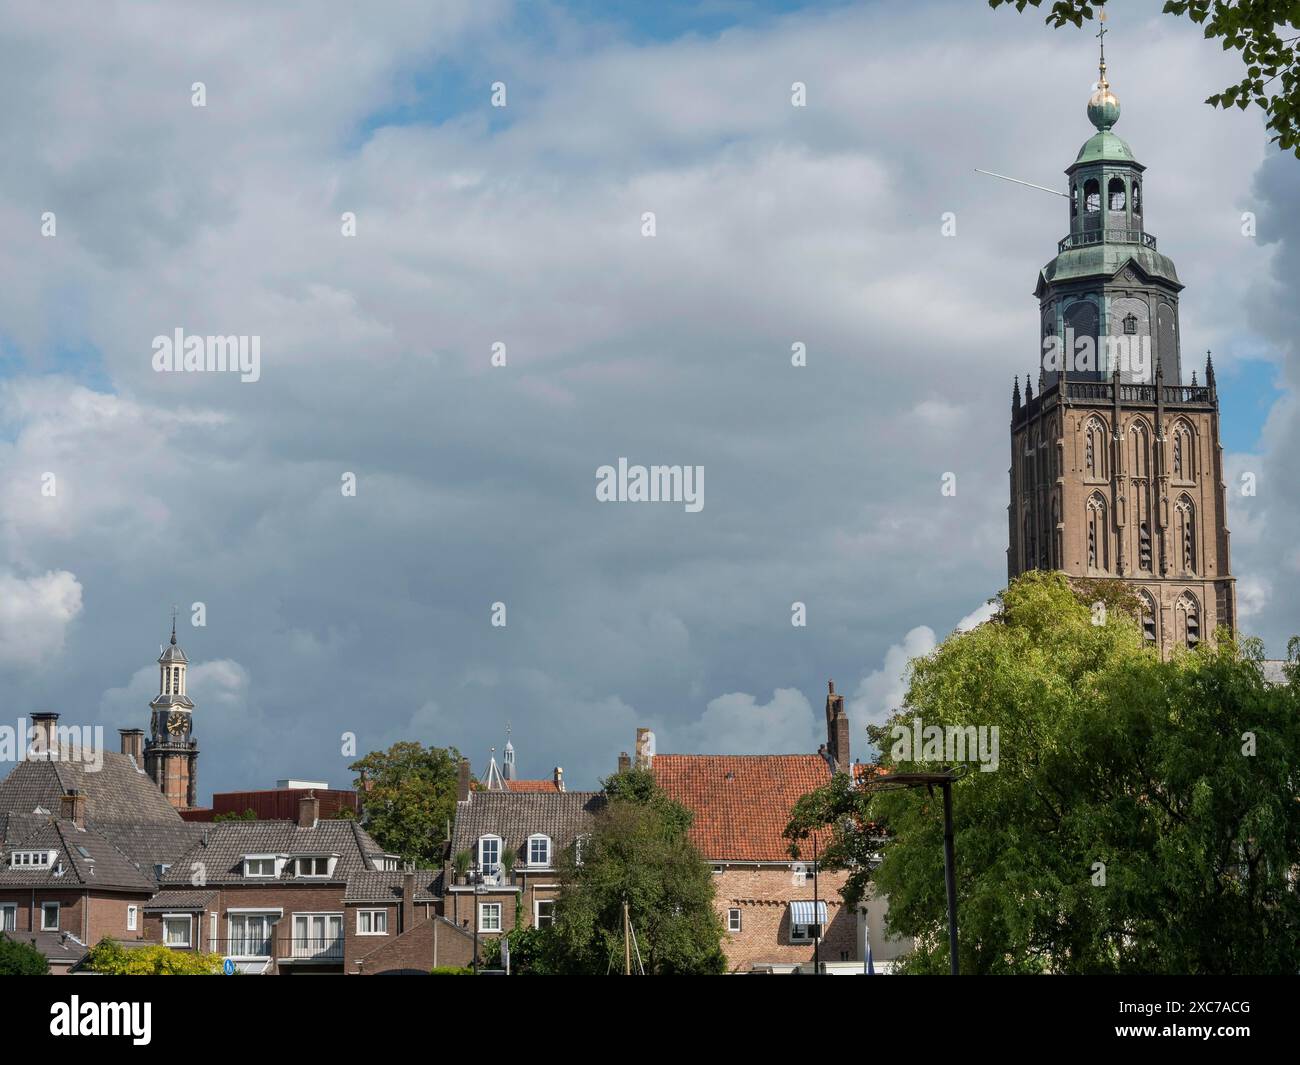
[
  {"x": 174, "y": 613},
  {"x": 1101, "y": 36}
]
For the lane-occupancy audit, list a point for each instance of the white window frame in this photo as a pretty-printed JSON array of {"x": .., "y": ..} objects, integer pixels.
[
  {"x": 58, "y": 916},
  {"x": 734, "y": 921},
  {"x": 313, "y": 858},
  {"x": 483, "y": 909},
  {"x": 5, "y": 910},
  {"x": 372, "y": 930},
  {"x": 800, "y": 937},
  {"x": 539, "y": 837},
  {"x": 188, "y": 918},
  {"x": 260, "y": 859},
  {"x": 243, "y": 915},
  {"x": 537, "y": 912},
  {"x": 485, "y": 867},
  {"x": 132, "y": 918},
  {"x": 23, "y": 859}
]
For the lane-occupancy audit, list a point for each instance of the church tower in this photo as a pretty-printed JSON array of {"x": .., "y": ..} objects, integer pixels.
[
  {"x": 171, "y": 754},
  {"x": 1116, "y": 465}
]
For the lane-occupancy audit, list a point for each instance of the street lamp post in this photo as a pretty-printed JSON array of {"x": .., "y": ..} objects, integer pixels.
[{"x": 930, "y": 781}]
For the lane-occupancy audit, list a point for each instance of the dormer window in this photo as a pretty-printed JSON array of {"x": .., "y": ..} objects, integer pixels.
[
  {"x": 1130, "y": 324},
  {"x": 260, "y": 865},
  {"x": 489, "y": 854},
  {"x": 31, "y": 859},
  {"x": 539, "y": 851},
  {"x": 315, "y": 866}
]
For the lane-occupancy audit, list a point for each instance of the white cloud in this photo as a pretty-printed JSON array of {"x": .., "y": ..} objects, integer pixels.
[
  {"x": 35, "y": 613},
  {"x": 737, "y": 723},
  {"x": 881, "y": 692}
]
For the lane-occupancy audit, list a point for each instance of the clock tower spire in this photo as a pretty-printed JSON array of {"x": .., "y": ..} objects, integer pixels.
[{"x": 171, "y": 753}]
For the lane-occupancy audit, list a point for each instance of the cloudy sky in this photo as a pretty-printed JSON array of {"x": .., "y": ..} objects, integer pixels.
[{"x": 522, "y": 225}]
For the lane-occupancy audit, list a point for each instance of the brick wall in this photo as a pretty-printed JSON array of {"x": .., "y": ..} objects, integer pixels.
[{"x": 763, "y": 895}]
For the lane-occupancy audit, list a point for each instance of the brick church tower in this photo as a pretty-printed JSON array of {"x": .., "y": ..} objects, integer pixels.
[
  {"x": 171, "y": 754},
  {"x": 1116, "y": 465}
]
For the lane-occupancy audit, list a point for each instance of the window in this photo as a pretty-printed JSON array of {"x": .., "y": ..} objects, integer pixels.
[
  {"x": 539, "y": 851},
  {"x": 1185, "y": 518},
  {"x": 132, "y": 917},
  {"x": 1189, "y": 619},
  {"x": 1094, "y": 449},
  {"x": 800, "y": 933},
  {"x": 1074, "y": 200},
  {"x": 733, "y": 920},
  {"x": 8, "y": 918},
  {"x": 28, "y": 858},
  {"x": 261, "y": 866},
  {"x": 1091, "y": 196},
  {"x": 372, "y": 922},
  {"x": 1130, "y": 324},
  {"x": 1148, "y": 608},
  {"x": 544, "y": 913},
  {"x": 49, "y": 916},
  {"x": 1137, "y": 197},
  {"x": 176, "y": 929},
  {"x": 1115, "y": 192},
  {"x": 489, "y": 854},
  {"x": 317, "y": 935},
  {"x": 1098, "y": 535},
  {"x": 313, "y": 867},
  {"x": 250, "y": 935},
  {"x": 489, "y": 917}
]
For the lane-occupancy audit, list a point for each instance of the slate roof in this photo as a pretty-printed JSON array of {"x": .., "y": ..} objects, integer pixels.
[
  {"x": 102, "y": 865},
  {"x": 115, "y": 791},
  {"x": 387, "y": 887},
  {"x": 180, "y": 899},
  {"x": 59, "y": 948},
  {"x": 514, "y": 816},
  {"x": 150, "y": 843},
  {"x": 221, "y": 848},
  {"x": 741, "y": 803}
]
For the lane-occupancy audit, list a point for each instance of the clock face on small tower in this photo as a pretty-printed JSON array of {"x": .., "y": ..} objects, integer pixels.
[{"x": 176, "y": 723}]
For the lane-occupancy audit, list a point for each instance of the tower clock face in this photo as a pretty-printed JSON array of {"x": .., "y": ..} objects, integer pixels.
[{"x": 176, "y": 723}]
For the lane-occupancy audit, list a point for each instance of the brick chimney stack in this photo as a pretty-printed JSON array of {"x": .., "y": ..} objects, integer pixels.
[
  {"x": 837, "y": 731},
  {"x": 624, "y": 761},
  {"x": 462, "y": 783},
  {"x": 133, "y": 744},
  {"x": 559, "y": 778},
  {"x": 72, "y": 807},
  {"x": 44, "y": 731},
  {"x": 308, "y": 810},
  {"x": 408, "y": 898},
  {"x": 645, "y": 749}
]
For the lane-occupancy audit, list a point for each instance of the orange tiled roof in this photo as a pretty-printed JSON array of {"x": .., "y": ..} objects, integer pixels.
[
  {"x": 741, "y": 802},
  {"x": 532, "y": 785}
]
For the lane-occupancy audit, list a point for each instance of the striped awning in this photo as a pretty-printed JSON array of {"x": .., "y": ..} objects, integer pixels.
[{"x": 802, "y": 912}]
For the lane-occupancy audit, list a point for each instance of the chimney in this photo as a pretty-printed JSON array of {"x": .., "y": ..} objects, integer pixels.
[
  {"x": 645, "y": 749},
  {"x": 72, "y": 807},
  {"x": 624, "y": 762},
  {"x": 559, "y": 778},
  {"x": 462, "y": 784},
  {"x": 408, "y": 900},
  {"x": 837, "y": 731},
  {"x": 44, "y": 731},
  {"x": 133, "y": 744},
  {"x": 308, "y": 810}
]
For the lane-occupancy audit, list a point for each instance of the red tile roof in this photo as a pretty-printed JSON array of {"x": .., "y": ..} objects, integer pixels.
[
  {"x": 532, "y": 785},
  {"x": 741, "y": 802}
]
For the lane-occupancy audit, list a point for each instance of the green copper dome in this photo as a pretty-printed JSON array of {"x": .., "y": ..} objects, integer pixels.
[{"x": 1105, "y": 146}]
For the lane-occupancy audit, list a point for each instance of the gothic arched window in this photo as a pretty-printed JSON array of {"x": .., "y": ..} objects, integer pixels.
[
  {"x": 1185, "y": 527},
  {"x": 1115, "y": 193},
  {"x": 1188, "y": 614},
  {"x": 1184, "y": 453},
  {"x": 1140, "y": 464},
  {"x": 1091, "y": 195},
  {"x": 1098, "y": 538},
  {"x": 1094, "y": 448},
  {"x": 1150, "y": 617}
]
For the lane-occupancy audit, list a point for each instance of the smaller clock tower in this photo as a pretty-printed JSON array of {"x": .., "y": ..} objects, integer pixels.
[{"x": 171, "y": 753}]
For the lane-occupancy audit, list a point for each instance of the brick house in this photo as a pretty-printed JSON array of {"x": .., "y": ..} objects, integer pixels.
[
  {"x": 766, "y": 899},
  {"x": 515, "y": 839},
  {"x": 82, "y": 842}
]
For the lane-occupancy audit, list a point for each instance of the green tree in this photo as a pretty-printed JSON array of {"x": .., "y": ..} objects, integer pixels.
[
  {"x": 408, "y": 796},
  {"x": 1261, "y": 30},
  {"x": 638, "y": 852},
  {"x": 247, "y": 815},
  {"x": 21, "y": 959},
  {"x": 112, "y": 959},
  {"x": 1144, "y": 816}
]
